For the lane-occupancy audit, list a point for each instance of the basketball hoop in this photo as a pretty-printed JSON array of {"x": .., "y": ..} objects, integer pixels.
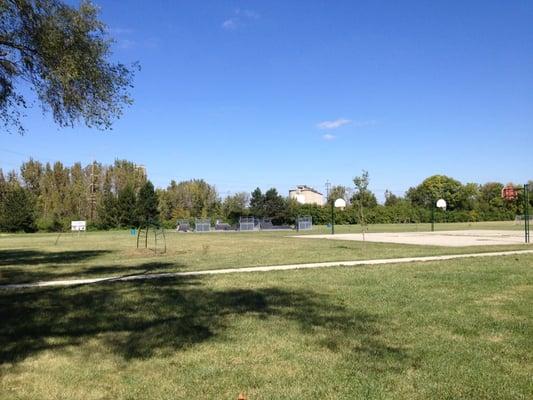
[{"x": 509, "y": 193}]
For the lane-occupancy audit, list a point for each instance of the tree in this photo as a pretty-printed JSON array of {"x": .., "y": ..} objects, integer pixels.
[
  {"x": 77, "y": 205},
  {"x": 31, "y": 173},
  {"x": 17, "y": 210},
  {"x": 391, "y": 199},
  {"x": 469, "y": 196},
  {"x": 338, "y": 192},
  {"x": 233, "y": 207},
  {"x": 274, "y": 206},
  {"x": 63, "y": 54},
  {"x": 3, "y": 185},
  {"x": 362, "y": 198},
  {"x": 126, "y": 207},
  {"x": 146, "y": 207},
  {"x": 107, "y": 207},
  {"x": 54, "y": 188},
  {"x": 126, "y": 173},
  {"x": 257, "y": 201},
  {"x": 362, "y": 194},
  {"x": 193, "y": 198},
  {"x": 436, "y": 187}
]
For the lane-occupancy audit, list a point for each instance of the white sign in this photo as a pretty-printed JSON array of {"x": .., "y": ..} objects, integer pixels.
[
  {"x": 340, "y": 203},
  {"x": 78, "y": 225},
  {"x": 441, "y": 203}
]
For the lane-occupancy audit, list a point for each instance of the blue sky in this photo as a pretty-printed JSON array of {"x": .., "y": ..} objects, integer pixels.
[{"x": 280, "y": 93}]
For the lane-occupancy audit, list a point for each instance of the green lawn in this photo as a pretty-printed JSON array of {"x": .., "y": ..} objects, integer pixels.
[
  {"x": 443, "y": 330},
  {"x": 26, "y": 258}
]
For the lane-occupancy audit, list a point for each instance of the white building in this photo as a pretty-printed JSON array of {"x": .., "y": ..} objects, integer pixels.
[{"x": 306, "y": 195}]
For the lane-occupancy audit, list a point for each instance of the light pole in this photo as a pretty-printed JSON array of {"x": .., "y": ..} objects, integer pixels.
[
  {"x": 441, "y": 203},
  {"x": 339, "y": 203}
]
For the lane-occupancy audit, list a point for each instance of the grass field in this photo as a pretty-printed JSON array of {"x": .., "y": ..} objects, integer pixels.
[
  {"x": 27, "y": 258},
  {"x": 454, "y": 329},
  {"x": 450, "y": 329}
]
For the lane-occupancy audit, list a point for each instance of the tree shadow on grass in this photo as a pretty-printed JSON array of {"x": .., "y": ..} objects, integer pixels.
[
  {"x": 34, "y": 257},
  {"x": 20, "y": 266},
  {"x": 159, "y": 317},
  {"x": 22, "y": 275}
]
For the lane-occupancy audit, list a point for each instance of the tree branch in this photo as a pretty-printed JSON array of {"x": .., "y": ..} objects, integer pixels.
[{"x": 19, "y": 47}]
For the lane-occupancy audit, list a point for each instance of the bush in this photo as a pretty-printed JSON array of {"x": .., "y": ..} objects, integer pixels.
[{"x": 49, "y": 224}]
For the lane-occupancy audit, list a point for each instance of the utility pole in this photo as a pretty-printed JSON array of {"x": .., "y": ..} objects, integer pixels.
[
  {"x": 92, "y": 191},
  {"x": 328, "y": 187}
]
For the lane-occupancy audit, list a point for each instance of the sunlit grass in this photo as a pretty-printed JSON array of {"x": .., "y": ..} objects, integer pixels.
[
  {"x": 31, "y": 257},
  {"x": 453, "y": 329}
]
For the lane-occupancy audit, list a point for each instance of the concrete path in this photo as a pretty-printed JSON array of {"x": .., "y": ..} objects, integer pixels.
[{"x": 128, "y": 278}]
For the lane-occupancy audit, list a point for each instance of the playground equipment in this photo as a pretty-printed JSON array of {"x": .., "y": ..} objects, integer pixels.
[{"x": 152, "y": 235}]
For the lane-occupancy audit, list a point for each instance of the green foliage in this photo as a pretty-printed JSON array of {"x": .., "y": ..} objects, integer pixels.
[
  {"x": 270, "y": 205},
  {"x": 338, "y": 192},
  {"x": 437, "y": 187},
  {"x": 362, "y": 195},
  {"x": 193, "y": 198},
  {"x": 391, "y": 199},
  {"x": 146, "y": 206},
  {"x": 257, "y": 201},
  {"x": 16, "y": 210},
  {"x": 63, "y": 53},
  {"x": 49, "y": 224},
  {"x": 127, "y": 207},
  {"x": 275, "y": 207},
  {"x": 235, "y": 206},
  {"x": 107, "y": 197}
]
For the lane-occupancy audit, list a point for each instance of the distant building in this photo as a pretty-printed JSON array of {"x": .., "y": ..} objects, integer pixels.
[{"x": 306, "y": 195}]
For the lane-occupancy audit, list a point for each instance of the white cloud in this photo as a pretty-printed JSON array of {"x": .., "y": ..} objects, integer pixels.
[
  {"x": 360, "y": 124},
  {"x": 239, "y": 18},
  {"x": 337, "y": 123},
  {"x": 328, "y": 137},
  {"x": 229, "y": 24},
  {"x": 247, "y": 13}
]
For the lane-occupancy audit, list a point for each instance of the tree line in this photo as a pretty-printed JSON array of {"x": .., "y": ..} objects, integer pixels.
[{"x": 47, "y": 197}]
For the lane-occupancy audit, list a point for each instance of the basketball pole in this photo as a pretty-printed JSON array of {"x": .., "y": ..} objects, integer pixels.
[
  {"x": 332, "y": 218},
  {"x": 433, "y": 216},
  {"x": 526, "y": 213}
]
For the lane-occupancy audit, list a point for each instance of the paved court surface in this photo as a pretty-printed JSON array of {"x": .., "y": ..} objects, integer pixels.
[{"x": 441, "y": 238}]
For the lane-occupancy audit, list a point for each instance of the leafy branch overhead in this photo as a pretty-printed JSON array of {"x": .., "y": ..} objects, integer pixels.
[{"x": 62, "y": 53}]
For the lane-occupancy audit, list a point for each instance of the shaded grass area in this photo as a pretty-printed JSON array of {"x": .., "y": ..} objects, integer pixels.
[
  {"x": 33, "y": 257},
  {"x": 454, "y": 329}
]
